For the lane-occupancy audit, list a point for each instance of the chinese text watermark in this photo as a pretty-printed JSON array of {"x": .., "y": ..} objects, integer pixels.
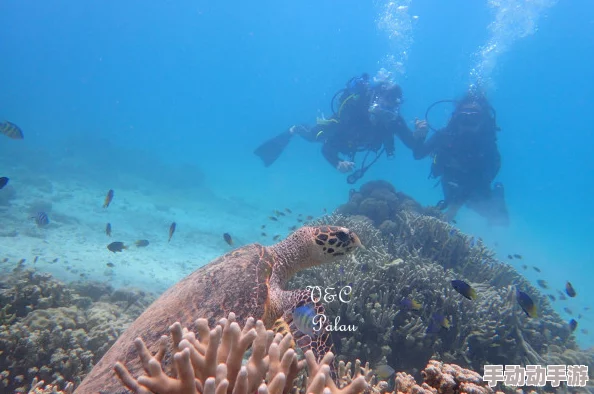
[{"x": 536, "y": 375}]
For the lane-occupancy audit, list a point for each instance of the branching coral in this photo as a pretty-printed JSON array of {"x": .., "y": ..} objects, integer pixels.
[
  {"x": 414, "y": 256},
  {"x": 215, "y": 362}
]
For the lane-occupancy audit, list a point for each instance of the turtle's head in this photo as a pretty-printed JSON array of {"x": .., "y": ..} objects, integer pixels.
[
  {"x": 311, "y": 246},
  {"x": 328, "y": 243}
]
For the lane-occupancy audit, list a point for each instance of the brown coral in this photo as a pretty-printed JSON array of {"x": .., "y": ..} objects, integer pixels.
[
  {"x": 214, "y": 362},
  {"x": 440, "y": 378},
  {"x": 55, "y": 332}
]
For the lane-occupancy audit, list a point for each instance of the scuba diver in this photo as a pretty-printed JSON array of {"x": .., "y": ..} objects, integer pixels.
[
  {"x": 366, "y": 115},
  {"x": 466, "y": 159}
]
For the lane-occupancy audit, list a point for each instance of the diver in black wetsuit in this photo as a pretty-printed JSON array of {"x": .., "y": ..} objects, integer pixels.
[
  {"x": 466, "y": 159},
  {"x": 365, "y": 118}
]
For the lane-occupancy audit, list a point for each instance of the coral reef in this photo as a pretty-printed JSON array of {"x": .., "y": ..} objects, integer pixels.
[
  {"x": 416, "y": 257},
  {"x": 218, "y": 360},
  {"x": 56, "y": 332}
]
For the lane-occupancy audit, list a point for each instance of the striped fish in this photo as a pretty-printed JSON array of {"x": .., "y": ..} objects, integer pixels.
[
  {"x": 41, "y": 219},
  {"x": 303, "y": 317},
  {"x": 11, "y": 130}
]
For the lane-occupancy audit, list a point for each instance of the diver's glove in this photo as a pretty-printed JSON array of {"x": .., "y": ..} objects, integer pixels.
[
  {"x": 345, "y": 166},
  {"x": 421, "y": 129}
]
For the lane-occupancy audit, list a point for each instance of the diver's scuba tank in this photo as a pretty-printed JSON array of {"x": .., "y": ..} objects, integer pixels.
[{"x": 355, "y": 86}]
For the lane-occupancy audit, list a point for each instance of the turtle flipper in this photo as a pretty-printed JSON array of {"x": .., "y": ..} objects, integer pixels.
[{"x": 321, "y": 341}]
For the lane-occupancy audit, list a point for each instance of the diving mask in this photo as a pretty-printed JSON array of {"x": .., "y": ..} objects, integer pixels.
[
  {"x": 470, "y": 120},
  {"x": 381, "y": 109}
]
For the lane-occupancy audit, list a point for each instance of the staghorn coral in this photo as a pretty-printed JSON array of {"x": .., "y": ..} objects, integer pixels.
[
  {"x": 215, "y": 361},
  {"x": 416, "y": 256},
  {"x": 53, "y": 332}
]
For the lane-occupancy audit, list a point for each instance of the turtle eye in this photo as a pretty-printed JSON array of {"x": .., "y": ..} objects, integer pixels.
[{"x": 342, "y": 236}]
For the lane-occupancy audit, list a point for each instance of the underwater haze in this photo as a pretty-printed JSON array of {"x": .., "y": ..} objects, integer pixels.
[{"x": 165, "y": 102}]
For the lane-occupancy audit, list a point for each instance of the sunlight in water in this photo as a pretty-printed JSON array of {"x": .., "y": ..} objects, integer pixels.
[
  {"x": 513, "y": 20},
  {"x": 394, "y": 19}
]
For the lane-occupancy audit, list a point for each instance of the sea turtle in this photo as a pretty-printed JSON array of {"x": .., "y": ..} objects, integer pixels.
[{"x": 249, "y": 281}]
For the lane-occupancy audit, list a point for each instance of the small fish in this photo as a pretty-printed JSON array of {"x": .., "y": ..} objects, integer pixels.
[
  {"x": 535, "y": 268},
  {"x": 562, "y": 297},
  {"x": 293, "y": 228},
  {"x": 551, "y": 297},
  {"x": 524, "y": 266},
  {"x": 35, "y": 259},
  {"x": 276, "y": 237},
  {"x": 303, "y": 317},
  {"x": 262, "y": 227},
  {"x": 452, "y": 232},
  {"x": 573, "y": 325},
  {"x": 384, "y": 371},
  {"x": 108, "y": 198},
  {"x": 586, "y": 308},
  {"x": 518, "y": 256},
  {"x": 568, "y": 311},
  {"x": 365, "y": 267},
  {"x": 108, "y": 229},
  {"x": 309, "y": 217},
  {"x": 41, "y": 219},
  {"x": 509, "y": 256},
  {"x": 263, "y": 234},
  {"x": 288, "y": 210},
  {"x": 110, "y": 265},
  {"x": 116, "y": 247},
  {"x": 55, "y": 260},
  {"x": 273, "y": 218},
  {"x": 410, "y": 304},
  {"x": 526, "y": 303},
  {"x": 438, "y": 321},
  {"x": 542, "y": 283},
  {"x": 325, "y": 210},
  {"x": 3, "y": 182},
  {"x": 579, "y": 316},
  {"x": 300, "y": 220},
  {"x": 280, "y": 213},
  {"x": 464, "y": 288},
  {"x": 228, "y": 239},
  {"x": 584, "y": 331},
  {"x": 454, "y": 221},
  {"x": 172, "y": 230},
  {"x": 11, "y": 130},
  {"x": 472, "y": 242},
  {"x": 570, "y": 290},
  {"x": 141, "y": 243}
]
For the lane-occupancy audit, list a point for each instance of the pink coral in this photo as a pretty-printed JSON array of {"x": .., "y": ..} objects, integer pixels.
[{"x": 440, "y": 378}]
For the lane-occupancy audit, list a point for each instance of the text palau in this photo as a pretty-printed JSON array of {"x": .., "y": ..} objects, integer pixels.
[{"x": 319, "y": 322}]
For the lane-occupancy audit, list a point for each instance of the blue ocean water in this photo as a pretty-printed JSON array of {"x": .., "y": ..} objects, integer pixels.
[{"x": 170, "y": 99}]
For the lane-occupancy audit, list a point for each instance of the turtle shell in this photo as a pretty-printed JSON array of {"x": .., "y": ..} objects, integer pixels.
[{"x": 235, "y": 282}]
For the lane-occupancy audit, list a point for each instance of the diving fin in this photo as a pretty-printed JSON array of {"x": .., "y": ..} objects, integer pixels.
[{"x": 270, "y": 150}]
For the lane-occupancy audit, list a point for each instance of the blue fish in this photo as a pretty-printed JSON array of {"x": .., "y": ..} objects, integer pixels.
[
  {"x": 452, "y": 232},
  {"x": 41, "y": 219},
  {"x": 472, "y": 242},
  {"x": 303, "y": 317},
  {"x": 437, "y": 323}
]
